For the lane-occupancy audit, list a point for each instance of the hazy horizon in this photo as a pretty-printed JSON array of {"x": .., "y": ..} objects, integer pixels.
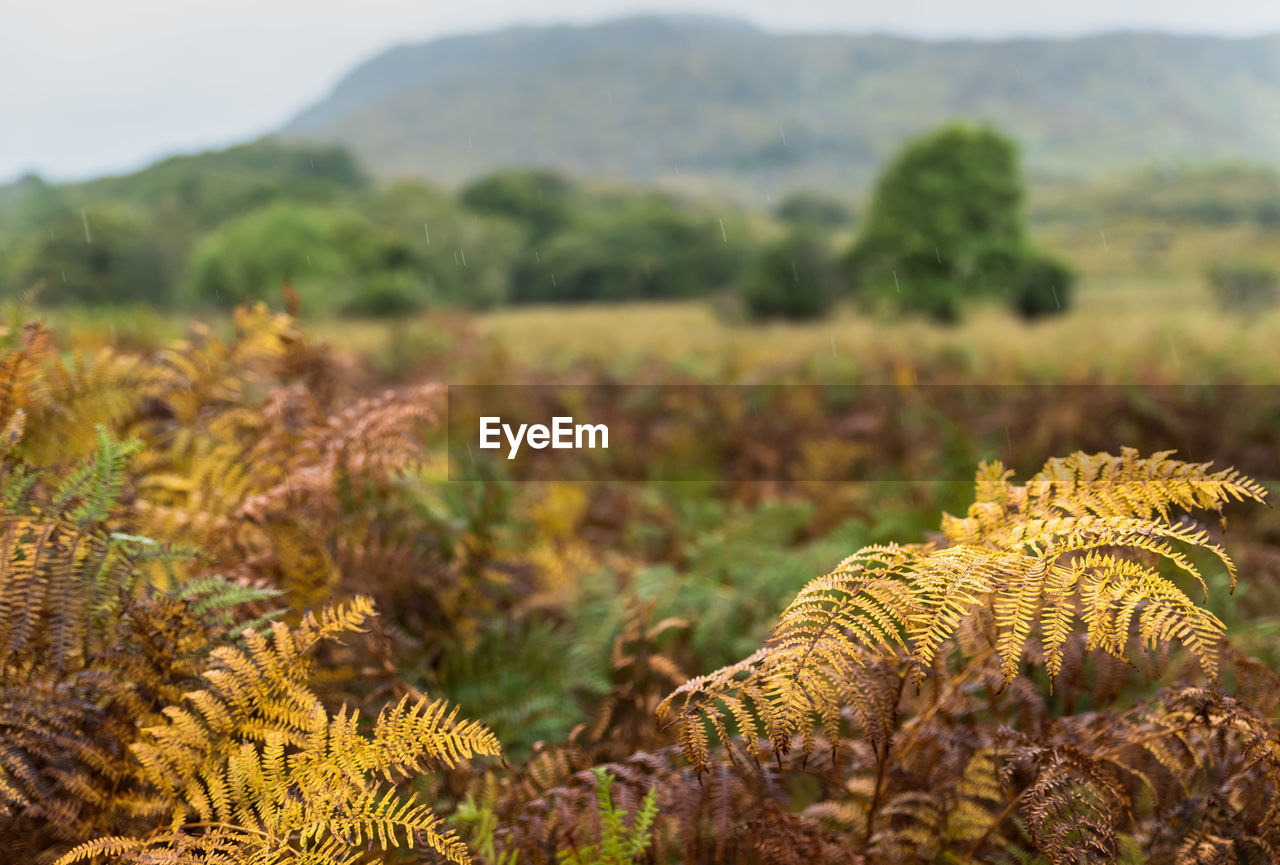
[{"x": 92, "y": 90}]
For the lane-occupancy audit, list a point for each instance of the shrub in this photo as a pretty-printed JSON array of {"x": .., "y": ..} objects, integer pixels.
[
  {"x": 250, "y": 257},
  {"x": 791, "y": 279},
  {"x": 1032, "y": 284},
  {"x": 1043, "y": 287},
  {"x": 386, "y": 295},
  {"x": 946, "y": 224},
  {"x": 643, "y": 248}
]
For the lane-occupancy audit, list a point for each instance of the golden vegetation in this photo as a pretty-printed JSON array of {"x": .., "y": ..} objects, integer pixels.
[{"x": 193, "y": 539}]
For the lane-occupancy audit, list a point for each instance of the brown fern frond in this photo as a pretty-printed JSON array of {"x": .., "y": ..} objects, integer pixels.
[{"x": 1073, "y": 805}]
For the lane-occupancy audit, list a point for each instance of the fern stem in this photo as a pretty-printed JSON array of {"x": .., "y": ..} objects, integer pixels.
[{"x": 882, "y": 760}]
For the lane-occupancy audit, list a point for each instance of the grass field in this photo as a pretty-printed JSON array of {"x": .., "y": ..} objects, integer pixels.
[
  {"x": 1143, "y": 312},
  {"x": 1140, "y": 313}
]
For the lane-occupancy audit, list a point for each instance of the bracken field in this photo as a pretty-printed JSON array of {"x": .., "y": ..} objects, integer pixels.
[{"x": 939, "y": 583}]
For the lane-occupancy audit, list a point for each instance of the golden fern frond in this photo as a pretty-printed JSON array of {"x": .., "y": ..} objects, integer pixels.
[
  {"x": 1064, "y": 546},
  {"x": 53, "y": 576},
  {"x": 207, "y": 372},
  {"x": 1105, "y": 487},
  {"x": 74, "y": 397},
  {"x": 257, "y": 754},
  {"x": 20, "y": 367}
]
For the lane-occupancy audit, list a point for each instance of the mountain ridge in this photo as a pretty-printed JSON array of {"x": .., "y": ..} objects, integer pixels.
[{"x": 708, "y": 103}]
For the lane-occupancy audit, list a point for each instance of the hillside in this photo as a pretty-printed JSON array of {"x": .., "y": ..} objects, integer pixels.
[{"x": 714, "y": 103}]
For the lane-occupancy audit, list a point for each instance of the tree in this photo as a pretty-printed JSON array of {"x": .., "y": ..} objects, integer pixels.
[
  {"x": 792, "y": 278},
  {"x": 250, "y": 257},
  {"x": 98, "y": 255},
  {"x": 539, "y": 200},
  {"x": 643, "y": 247},
  {"x": 466, "y": 259},
  {"x": 947, "y": 224}
]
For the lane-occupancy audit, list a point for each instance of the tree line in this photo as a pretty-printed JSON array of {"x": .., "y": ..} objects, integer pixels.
[{"x": 945, "y": 225}]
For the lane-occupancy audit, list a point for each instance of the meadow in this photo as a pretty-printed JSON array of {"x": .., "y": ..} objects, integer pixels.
[{"x": 1138, "y": 315}]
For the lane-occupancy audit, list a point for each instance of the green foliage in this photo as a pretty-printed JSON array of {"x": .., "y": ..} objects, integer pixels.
[
  {"x": 389, "y": 295},
  {"x": 143, "y": 225},
  {"x": 947, "y": 200},
  {"x": 206, "y": 189},
  {"x": 98, "y": 255},
  {"x": 1244, "y": 287},
  {"x": 463, "y": 258},
  {"x": 813, "y": 209},
  {"x": 643, "y": 247},
  {"x": 251, "y": 257},
  {"x": 96, "y": 484},
  {"x": 539, "y": 200},
  {"x": 946, "y": 224},
  {"x": 793, "y": 278},
  {"x": 514, "y": 675},
  {"x": 1041, "y": 286},
  {"x": 619, "y": 844},
  {"x": 479, "y": 822}
]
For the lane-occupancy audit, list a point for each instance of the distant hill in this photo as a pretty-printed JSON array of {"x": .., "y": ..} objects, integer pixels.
[{"x": 717, "y": 103}]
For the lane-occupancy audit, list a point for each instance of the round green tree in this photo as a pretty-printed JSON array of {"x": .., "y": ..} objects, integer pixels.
[{"x": 947, "y": 224}]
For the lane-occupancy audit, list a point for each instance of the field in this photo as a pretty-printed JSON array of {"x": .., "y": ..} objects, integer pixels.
[
  {"x": 1137, "y": 317},
  {"x": 261, "y": 600}
]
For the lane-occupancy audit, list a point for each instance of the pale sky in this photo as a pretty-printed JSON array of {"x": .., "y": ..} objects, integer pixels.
[{"x": 96, "y": 86}]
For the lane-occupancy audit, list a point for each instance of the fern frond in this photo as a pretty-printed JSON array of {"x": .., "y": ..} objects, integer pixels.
[
  {"x": 257, "y": 750},
  {"x": 1074, "y": 542}
]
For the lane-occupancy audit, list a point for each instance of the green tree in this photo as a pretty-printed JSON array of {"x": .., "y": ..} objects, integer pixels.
[
  {"x": 202, "y": 190},
  {"x": 637, "y": 248},
  {"x": 107, "y": 254},
  {"x": 793, "y": 278},
  {"x": 947, "y": 224},
  {"x": 539, "y": 200},
  {"x": 323, "y": 252},
  {"x": 466, "y": 258}
]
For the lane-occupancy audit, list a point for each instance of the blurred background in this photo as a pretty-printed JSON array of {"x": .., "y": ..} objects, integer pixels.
[{"x": 717, "y": 186}]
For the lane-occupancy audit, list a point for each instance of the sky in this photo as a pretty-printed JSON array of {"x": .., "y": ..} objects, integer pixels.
[{"x": 89, "y": 87}]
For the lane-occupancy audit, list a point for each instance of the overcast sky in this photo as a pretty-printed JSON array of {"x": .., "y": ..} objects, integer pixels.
[{"x": 94, "y": 86}]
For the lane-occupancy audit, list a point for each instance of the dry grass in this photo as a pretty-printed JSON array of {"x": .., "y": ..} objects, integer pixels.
[{"x": 1124, "y": 330}]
